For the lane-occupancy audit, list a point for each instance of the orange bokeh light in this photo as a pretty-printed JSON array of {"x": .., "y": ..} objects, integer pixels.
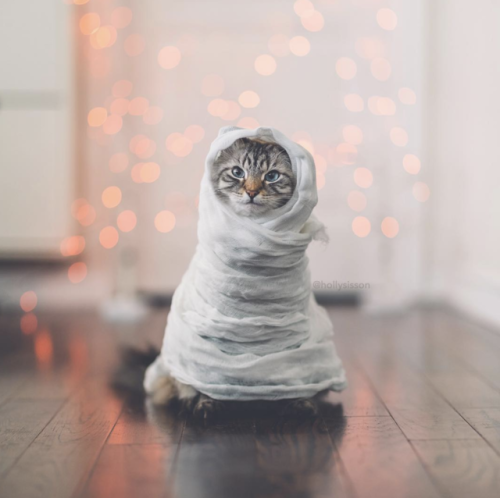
[
  {"x": 145, "y": 148},
  {"x": 77, "y": 272},
  {"x": 398, "y": 136},
  {"x": 72, "y": 246},
  {"x": 149, "y": 172},
  {"x": 346, "y": 68},
  {"x": 195, "y": 133},
  {"x": 232, "y": 112},
  {"x": 28, "y": 301},
  {"x": 126, "y": 221},
  {"x": 390, "y": 227},
  {"x": 313, "y": 21},
  {"x": 354, "y": 102},
  {"x": 421, "y": 191},
  {"x": 118, "y": 162},
  {"x": 138, "y": 106},
  {"x": 29, "y": 323},
  {"x": 112, "y": 125},
  {"x": 153, "y": 115},
  {"x": 134, "y": 45},
  {"x": 122, "y": 88},
  {"x": 407, "y": 96},
  {"x": 86, "y": 215},
  {"x": 44, "y": 349},
  {"x": 111, "y": 196},
  {"x": 363, "y": 177},
  {"x": 361, "y": 226},
  {"x": 97, "y": 116},
  {"x": 169, "y": 57},
  {"x": 411, "y": 164},
  {"x": 89, "y": 23},
  {"x": 249, "y": 99},
  {"x": 300, "y": 46},
  {"x": 121, "y": 17},
  {"x": 387, "y": 19},
  {"x": 217, "y": 107},
  {"x": 165, "y": 221},
  {"x": 119, "y": 106},
  {"x": 108, "y": 237},
  {"x": 356, "y": 200},
  {"x": 303, "y": 7},
  {"x": 265, "y": 64},
  {"x": 103, "y": 37},
  {"x": 380, "y": 68},
  {"x": 278, "y": 45}
]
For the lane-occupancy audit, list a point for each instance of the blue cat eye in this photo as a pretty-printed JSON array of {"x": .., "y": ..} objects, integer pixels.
[
  {"x": 238, "y": 172},
  {"x": 272, "y": 176}
]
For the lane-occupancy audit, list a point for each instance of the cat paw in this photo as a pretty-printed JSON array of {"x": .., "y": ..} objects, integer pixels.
[
  {"x": 207, "y": 409},
  {"x": 301, "y": 408}
]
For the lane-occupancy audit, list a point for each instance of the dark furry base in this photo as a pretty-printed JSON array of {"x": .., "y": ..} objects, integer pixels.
[{"x": 129, "y": 376}]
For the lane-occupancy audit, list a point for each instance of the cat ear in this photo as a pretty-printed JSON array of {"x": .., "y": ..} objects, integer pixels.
[{"x": 227, "y": 129}]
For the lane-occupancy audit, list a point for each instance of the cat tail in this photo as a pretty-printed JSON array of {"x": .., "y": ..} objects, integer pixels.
[{"x": 129, "y": 376}]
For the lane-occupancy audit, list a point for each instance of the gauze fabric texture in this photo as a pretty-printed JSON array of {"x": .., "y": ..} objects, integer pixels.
[{"x": 244, "y": 324}]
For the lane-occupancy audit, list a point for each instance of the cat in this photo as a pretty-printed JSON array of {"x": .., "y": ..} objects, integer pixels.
[{"x": 251, "y": 177}]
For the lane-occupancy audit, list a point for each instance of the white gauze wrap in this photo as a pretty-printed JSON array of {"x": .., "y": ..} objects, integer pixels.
[{"x": 244, "y": 324}]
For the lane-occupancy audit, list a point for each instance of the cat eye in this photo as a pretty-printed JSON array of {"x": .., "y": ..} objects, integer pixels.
[
  {"x": 238, "y": 172},
  {"x": 272, "y": 176}
]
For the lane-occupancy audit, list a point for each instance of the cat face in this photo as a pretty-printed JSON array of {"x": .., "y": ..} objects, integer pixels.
[{"x": 253, "y": 177}]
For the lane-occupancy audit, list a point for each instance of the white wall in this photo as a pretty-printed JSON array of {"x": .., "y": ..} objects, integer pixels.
[{"x": 463, "y": 117}]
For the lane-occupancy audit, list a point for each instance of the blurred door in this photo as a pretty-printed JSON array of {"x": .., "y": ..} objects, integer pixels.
[{"x": 36, "y": 173}]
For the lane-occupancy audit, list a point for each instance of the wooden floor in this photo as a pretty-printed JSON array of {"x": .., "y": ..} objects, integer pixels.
[{"x": 420, "y": 419}]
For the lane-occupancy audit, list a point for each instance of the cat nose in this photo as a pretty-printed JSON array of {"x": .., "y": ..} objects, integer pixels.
[{"x": 252, "y": 193}]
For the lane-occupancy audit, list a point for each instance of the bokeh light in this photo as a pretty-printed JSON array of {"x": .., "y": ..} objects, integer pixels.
[
  {"x": 108, "y": 237},
  {"x": 121, "y": 17},
  {"x": 299, "y": 46},
  {"x": 217, "y": 107},
  {"x": 421, "y": 191},
  {"x": 119, "y": 106},
  {"x": 346, "y": 153},
  {"x": 369, "y": 48},
  {"x": 361, "y": 226},
  {"x": 390, "y": 227},
  {"x": 381, "y": 69},
  {"x": 89, "y": 23},
  {"x": 126, "y": 221},
  {"x": 278, "y": 45},
  {"x": 112, "y": 125},
  {"x": 411, "y": 164},
  {"x": 72, "y": 246},
  {"x": 169, "y": 57},
  {"x": 398, "y": 136},
  {"x": 118, "y": 162},
  {"x": 232, "y": 111},
  {"x": 145, "y": 148},
  {"x": 77, "y": 272},
  {"x": 29, "y": 323},
  {"x": 103, "y": 37},
  {"x": 312, "y": 20},
  {"x": 111, "y": 196},
  {"x": 346, "y": 68},
  {"x": 212, "y": 85},
  {"x": 249, "y": 99},
  {"x": 85, "y": 215},
  {"x": 407, "y": 96},
  {"x": 195, "y": 133},
  {"x": 363, "y": 177},
  {"x": 352, "y": 134},
  {"x": 265, "y": 64},
  {"x": 138, "y": 106},
  {"x": 122, "y": 88},
  {"x": 28, "y": 301},
  {"x": 153, "y": 115},
  {"x": 356, "y": 200},
  {"x": 303, "y": 7},
  {"x": 354, "y": 102},
  {"x": 165, "y": 221},
  {"x": 97, "y": 116},
  {"x": 134, "y": 45},
  {"x": 179, "y": 144},
  {"x": 44, "y": 348},
  {"x": 149, "y": 172},
  {"x": 387, "y": 19}
]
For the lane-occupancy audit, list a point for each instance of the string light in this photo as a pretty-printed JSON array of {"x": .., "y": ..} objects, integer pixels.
[
  {"x": 249, "y": 99},
  {"x": 411, "y": 164},
  {"x": 387, "y": 19},
  {"x": 299, "y": 46},
  {"x": 165, "y": 221},
  {"x": 390, "y": 227},
  {"x": 111, "y": 196},
  {"x": 169, "y": 57},
  {"x": 126, "y": 220},
  {"x": 361, "y": 226},
  {"x": 108, "y": 237},
  {"x": 265, "y": 64}
]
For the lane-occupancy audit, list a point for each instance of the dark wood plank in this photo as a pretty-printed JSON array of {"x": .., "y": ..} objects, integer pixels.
[
  {"x": 142, "y": 423},
  {"x": 20, "y": 423},
  {"x": 463, "y": 469},
  {"x": 130, "y": 471},
  {"x": 379, "y": 460},
  {"x": 60, "y": 458},
  {"x": 218, "y": 460},
  {"x": 486, "y": 421}
]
